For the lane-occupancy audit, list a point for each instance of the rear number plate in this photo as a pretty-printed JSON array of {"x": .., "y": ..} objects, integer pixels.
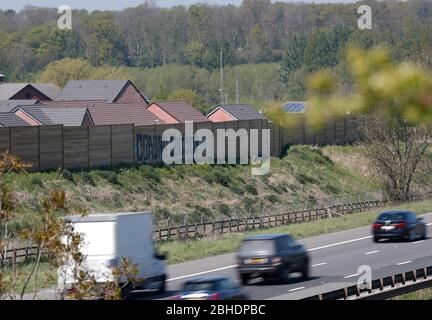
[{"x": 387, "y": 228}]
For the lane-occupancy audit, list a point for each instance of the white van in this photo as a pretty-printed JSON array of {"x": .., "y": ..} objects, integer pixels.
[{"x": 109, "y": 237}]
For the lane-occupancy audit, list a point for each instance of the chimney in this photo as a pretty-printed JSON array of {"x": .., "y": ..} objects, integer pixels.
[{"x": 2, "y": 78}]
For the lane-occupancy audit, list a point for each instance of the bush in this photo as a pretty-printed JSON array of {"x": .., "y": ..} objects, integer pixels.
[
  {"x": 251, "y": 189},
  {"x": 87, "y": 178},
  {"x": 272, "y": 198},
  {"x": 151, "y": 173},
  {"x": 36, "y": 181},
  {"x": 304, "y": 179},
  {"x": 110, "y": 176},
  {"x": 66, "y": 174}
]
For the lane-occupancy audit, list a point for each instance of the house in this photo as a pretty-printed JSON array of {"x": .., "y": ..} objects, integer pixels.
[
  {"x": 118, "y": 91},
  {"x": 295, "y": 106},
  {"x": 69, "y": 117},
  {"x": 234, "y": 113},
  {"x": 176, "y": 112},
  {"x": 9, "y": 119},
  {"x": 28, "y": 91}
]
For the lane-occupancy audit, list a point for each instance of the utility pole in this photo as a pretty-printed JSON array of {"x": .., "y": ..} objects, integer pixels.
[
  {"x": 237, "y": 91},
  {"x": 221, "y": 78},
  {"x": 226, "y": 99}
]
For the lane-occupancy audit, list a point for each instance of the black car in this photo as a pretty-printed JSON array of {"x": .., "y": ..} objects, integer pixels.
[
  {"x": 271, "y": 255},
  {"x": 399, "y": 225},
  {"x": 210, "y": 288}
]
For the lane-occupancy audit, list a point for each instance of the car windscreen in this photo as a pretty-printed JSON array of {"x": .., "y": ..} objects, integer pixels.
[
  {"x": 200, "y": 286},
  {"x": 393, "y": 216},
  {"x": 257, "y": 247}
]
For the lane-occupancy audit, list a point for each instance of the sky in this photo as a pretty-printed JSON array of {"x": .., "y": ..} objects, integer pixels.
[{"x": 121, "y": 4}]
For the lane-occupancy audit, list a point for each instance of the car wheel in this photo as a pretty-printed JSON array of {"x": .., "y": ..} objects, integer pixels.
[
  {"x": 162, "y": 287},
  {"x": 424, "y": 235},
  {"x": 244, "y": 279},
  {"x": 376, "y": 239},
  {"x": 305, "y": 271},
  {"x": 284, "y": 275},
  {"x": 411, "y": 235}
]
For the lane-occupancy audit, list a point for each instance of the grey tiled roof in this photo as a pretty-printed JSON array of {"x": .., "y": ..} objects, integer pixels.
[
  {"x": 9, "y": 119},
  {"x": 8, "y": 90},
  {"x": 69, "y": 117},
  {"x": 241, "y": 112},
  {"x": 9, "y": 105},
  {"x": 107, "y": 90},
  {"x": 48, "y": 89},
  {"x": 37, "y": 113}
]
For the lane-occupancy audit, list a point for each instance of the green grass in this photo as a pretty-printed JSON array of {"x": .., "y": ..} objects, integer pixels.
[
  {"x": 425, "y": 294},
  {"x": 195, "y": 191},
  {"x": 181, "y": 251},
  {"x": 47, "y": 276}
]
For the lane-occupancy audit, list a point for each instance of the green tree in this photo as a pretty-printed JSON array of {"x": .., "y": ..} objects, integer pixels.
[
  {"x": 293, "y": 57},
  {"x": 61, "y": 71}
]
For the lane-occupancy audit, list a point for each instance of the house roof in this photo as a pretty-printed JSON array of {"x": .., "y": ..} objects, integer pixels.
[
  {"x": 106, "y": 90},
  {"x": 37, "y": 113},
  {"x": 9, "y": 119},
  {"x": 181, "y": 110},
  {"x": 69, "y": 117},
  {"x": 48, "y": 89},
  {"x": 9, "y": 105},
  {"x": 8, "y": 90},
  {"x": 136, "y": 114},
  {"x": 240, "y": 112}
]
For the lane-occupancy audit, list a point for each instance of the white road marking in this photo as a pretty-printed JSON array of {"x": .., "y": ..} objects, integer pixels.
[
  {"x": 200, "y": 273},
  {"x": 312, "y": 249},
  {"x": 420, "y": 241},
  {"x": 339, "y": 243},
  {"x": 296, "y": 289},
  {"x": 352, "y": 275},
  {"x": 404, "y": 262},
  {"x": 429, "y": 224},
  {"x": 372, "y": 252},
  {"x": 319, "y": 264}
]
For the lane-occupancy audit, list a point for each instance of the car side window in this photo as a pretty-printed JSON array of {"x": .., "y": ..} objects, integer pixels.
[
  {"x": 225, "y": 285},
  {"x": 291, "y": 242}
]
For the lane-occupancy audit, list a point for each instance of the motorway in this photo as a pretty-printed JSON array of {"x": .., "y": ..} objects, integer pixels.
[{"x": 335, "y": 259}]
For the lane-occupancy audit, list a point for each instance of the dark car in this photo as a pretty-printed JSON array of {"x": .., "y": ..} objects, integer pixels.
[
  {"x": 399, "y": 225},
  {"x": 210, "y": 288},
  {"x": 271, "y": 255}
]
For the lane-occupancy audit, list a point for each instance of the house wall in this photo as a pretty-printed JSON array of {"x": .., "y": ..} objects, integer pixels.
[
  {"x": 30, "y": 93},
  {"x": 27, "y": 118},
  {"x": 161, "y": 114},
  {"x": 130, "y": 95},
  {"x": 87, "y": 121},
  {"x": 220, "y": 116}
]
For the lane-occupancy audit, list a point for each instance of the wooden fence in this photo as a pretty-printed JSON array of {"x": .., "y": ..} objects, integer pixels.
[
  {"x": 220, "y": 227},
  {"x": 54, "y": 147}
]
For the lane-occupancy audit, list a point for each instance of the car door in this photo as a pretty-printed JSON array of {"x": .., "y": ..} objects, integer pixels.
[{"x": 294, "y": 252}]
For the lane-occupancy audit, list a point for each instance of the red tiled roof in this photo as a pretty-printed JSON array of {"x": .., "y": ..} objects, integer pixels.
[{"x": 182, "y": 111}]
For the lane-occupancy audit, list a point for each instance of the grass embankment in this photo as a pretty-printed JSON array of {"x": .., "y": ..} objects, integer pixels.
[
  {"x": 196, "y": 249},
  {"x": 197, "y": 191},
  {"x": 425, "y": 294},
  {"x": 46, "y": 277}
]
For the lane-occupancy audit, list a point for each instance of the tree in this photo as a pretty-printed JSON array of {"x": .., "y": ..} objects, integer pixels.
[
  {"x": 293, "y": 57},
  {"x": 396, "y": 150},
  {"x": 257, "y": 48},
  {"x": 61, "y": 71},
  {"x": 397, "y": 101}
]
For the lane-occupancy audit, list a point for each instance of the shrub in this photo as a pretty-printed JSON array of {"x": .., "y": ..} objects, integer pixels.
[
  {"x": 272, "y": 198},
  {"x": 36, "y": 181},
  {"x": 251, "y": 189},
  {"x": 87, "y": 178},
  {"x": 66, "y": 174},
  {"x": 109, "y": 176}
]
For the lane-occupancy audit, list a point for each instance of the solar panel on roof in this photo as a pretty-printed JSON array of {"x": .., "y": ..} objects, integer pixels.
[{"x": 294, "y": 107}]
